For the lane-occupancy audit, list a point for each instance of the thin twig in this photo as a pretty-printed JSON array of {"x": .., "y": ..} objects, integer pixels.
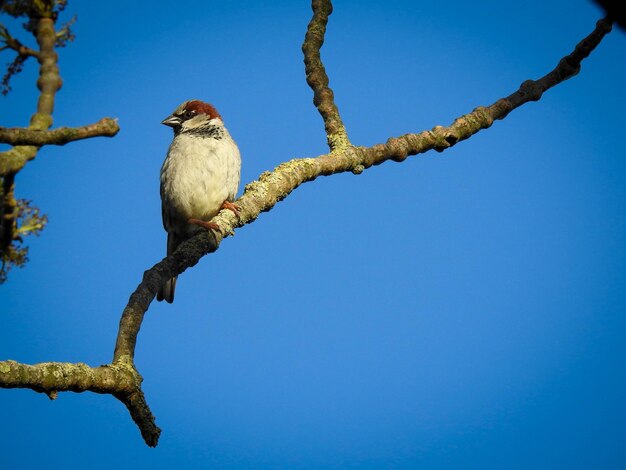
[{"x": 15, "y": 44}]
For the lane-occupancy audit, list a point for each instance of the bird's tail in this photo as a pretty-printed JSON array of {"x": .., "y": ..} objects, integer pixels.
[{"x": 166, "y": 292}]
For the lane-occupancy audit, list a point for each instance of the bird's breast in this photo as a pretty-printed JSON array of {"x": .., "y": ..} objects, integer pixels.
[{"x": 198, "y": 175}]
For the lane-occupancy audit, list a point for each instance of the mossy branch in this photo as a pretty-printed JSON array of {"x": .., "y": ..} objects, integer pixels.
[
  {"x": 316, "y": 76},
  {"x": 118, "y": 379},
  {"x": 105, "y": 127}
]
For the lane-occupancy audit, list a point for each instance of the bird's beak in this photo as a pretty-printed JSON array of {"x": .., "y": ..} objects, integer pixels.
[{"x": 172, "y": 121}]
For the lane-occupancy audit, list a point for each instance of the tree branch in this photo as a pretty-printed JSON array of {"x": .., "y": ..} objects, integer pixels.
[
  {"x": 316, "y": 77},
  {"x": 614, "y": 10},
  {"x": 14, "y": 160},
  {"x": 26, "y": 141},
  {"x": 50, "y": 377},
  {"x": 105, "y": 127},
  {"x": 136, "y": 403},
  {"x": 187, "y": 255},
  {"x": 15, "y": 44},
  {"x": 120, "y": 380}
]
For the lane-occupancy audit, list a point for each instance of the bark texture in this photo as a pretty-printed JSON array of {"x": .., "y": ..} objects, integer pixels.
[
  {"x": 316, "y": 76},
  {"x": 105, "y": 127}
]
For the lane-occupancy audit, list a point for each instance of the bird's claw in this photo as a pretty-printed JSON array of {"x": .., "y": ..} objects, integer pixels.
[
  {"x": 205, "y": 224},
  {"x": 232, "y": 207}
]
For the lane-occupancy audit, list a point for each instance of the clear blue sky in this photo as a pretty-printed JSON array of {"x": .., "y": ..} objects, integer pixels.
[{"x": 458, "y": 310}]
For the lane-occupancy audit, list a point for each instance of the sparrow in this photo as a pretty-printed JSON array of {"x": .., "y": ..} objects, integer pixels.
[{"x": 199, "y": 177}]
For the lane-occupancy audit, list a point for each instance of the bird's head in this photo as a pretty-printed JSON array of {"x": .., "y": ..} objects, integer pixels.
[{"x": 192, "y": 116}]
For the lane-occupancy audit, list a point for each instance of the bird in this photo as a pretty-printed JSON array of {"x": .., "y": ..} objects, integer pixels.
[{"x": 199, "y": 177}]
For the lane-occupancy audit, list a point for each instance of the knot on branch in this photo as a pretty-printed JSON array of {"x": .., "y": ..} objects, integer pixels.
[
  {"x": 531, "y": 90},
  {"x": 443, "y": 138},
  {"x": 49, "y": 78},
  {"x": 568, "y": 67},
  {"x": 605, "y": 25},
  {"x": 396, "y": 148},
  {"x": 358, "y": 169}
]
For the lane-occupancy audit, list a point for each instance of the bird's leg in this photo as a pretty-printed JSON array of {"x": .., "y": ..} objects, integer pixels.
[
  {"x": 206, "y": 225},
  {"x": 231, "y": 206},
  {"x": 212, "y": 225}
]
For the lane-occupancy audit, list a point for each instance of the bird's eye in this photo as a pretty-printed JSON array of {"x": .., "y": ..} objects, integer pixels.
[{"x": 189, "y": 114}]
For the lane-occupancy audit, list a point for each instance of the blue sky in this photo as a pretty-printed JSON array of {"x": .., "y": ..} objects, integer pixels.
[{"x": 458, "y": 310}]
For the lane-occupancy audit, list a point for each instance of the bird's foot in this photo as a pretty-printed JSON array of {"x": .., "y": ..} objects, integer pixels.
[
  {"x": 231, "y": 206},
  {"x": 206, "y": 225}
]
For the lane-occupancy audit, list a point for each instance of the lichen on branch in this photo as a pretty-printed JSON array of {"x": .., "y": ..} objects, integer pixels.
[
  {"x": 117, "y": 379},
  {"x": 316, "y": 76},
  {"x": 106, "y": 127}
]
